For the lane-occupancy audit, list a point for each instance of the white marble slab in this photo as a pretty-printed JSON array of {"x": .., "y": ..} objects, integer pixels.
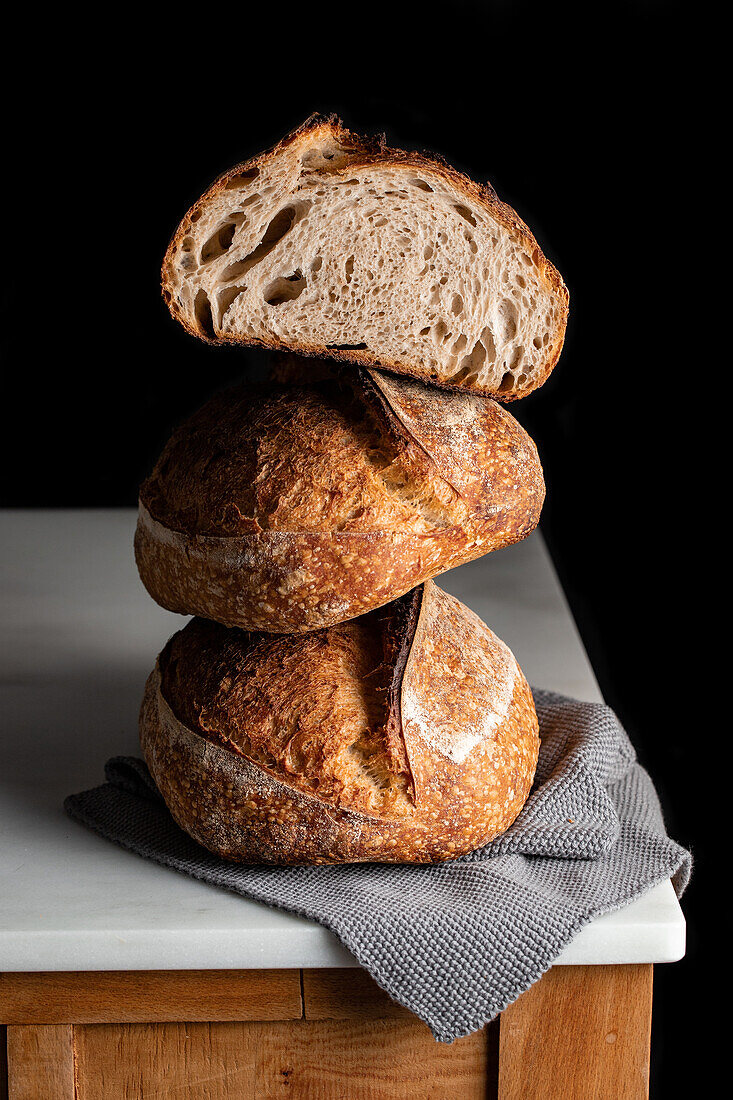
[{"x": 79, "y": 637}]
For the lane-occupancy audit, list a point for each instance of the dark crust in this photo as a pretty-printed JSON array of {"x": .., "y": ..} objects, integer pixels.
[
  {"x": 237, "y": 809},
  {"x": 376, "y": 151},
  {"x": 401, "y": 619}
]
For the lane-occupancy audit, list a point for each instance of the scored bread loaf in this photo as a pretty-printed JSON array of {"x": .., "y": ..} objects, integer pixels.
[
  {"x": 297, "y": 507},
  {"x": 407, "y": 735},
  {"x": 332, "y": 244}
]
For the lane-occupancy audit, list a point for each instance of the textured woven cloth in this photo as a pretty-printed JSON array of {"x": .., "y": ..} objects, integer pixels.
[{"x": 455, "y": 942}]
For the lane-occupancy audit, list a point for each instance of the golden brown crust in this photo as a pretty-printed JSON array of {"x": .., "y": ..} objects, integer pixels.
[
  {"x": 247, "y": 692},
  {"x": 309, "y": 506},
  {"x": 422, "y": 772},
  {"x": 376, "y": 152},
  {"x": 305, "y": 458}
]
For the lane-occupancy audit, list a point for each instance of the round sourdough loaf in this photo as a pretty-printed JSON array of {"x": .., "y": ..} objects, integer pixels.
[
  {"x": 296, "y": 507},
  {"x": 408, "y": 735}
]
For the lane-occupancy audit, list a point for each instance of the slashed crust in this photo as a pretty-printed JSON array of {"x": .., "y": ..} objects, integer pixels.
[
  {"x": 365, "y": 152},
  {"x": 469, "y": 770},
  {"x": 438, "y": 479}
]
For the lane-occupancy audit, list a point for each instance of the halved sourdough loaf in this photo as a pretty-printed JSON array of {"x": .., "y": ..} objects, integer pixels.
[
  {"x": 297, "y": 507},
  {"x": 335, "y": 245},
  {"x": 356, "y": 743}
]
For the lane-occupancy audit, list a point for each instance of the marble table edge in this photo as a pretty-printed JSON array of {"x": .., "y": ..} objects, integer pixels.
[{"x": 656, "y": 935}]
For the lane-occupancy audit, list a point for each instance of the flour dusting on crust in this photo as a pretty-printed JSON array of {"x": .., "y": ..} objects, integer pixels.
[{"x": 470, "y": 673}]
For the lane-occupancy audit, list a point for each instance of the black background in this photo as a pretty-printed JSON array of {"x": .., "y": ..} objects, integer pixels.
[{"x": 588, "y": 124}]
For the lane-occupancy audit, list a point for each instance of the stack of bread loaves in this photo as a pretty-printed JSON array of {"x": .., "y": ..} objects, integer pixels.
[{"x": 330, "y": 703}]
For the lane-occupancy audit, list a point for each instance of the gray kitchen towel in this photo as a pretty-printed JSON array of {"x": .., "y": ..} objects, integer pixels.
[{"x": 455, "y": 942}]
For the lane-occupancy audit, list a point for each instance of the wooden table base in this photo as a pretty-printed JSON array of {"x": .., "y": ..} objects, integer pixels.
[{"x": 580, "y": 1033}]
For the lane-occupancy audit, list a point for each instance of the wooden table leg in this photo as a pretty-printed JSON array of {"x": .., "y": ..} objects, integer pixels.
[
  {"x": 41, "y": 1063},
  {"x": 357, "y": 1043},
  {"x": 147, "y": 1034},
  {"x": 3, "y": 1062},
  {"x": 581, "y": 1033}
]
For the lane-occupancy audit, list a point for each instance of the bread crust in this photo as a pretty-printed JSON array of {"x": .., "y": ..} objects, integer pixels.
[
  {"x": 376, "y": 152},
  {"x": 469, "y": 449},
  {"x": 471, "y": 755}
]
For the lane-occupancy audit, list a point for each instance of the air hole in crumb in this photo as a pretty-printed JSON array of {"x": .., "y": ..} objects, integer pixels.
[
  {"x": 421, "y": 184},
  {"x": 226, "y": 297},
  {"x": 427, "y": 251},
  {"x": 457, "y": 304},
  {"x": 281, "y": 224},
  {"x": 507, "y": 320},
  {"x": 322, "y": 157},
  {"x": 233, "y": 271},
  {"x": 425, "y": 331},
  {"x": 187, "y": 244},
  {"x": 465, "y": 374},
  {"x": 202, "y": 313},
  {"x": 285, "y": 289},
  {"x": 218, "y": 243},
  {"x": 195, "y": 217},
  {"x": 465, "y": 213},
  {"x": 487, "y": 339},
  {"x": 241, "y": 178},
  {"x": 506, "y": 383},
  {"x": 346, "y": 347},
  {"x": 470, "y": 364},
  {"x": 440, "y": 331},
  {"x": 459, "y": 345},
  {"x": 317, "y": 264},
  {"x": 537, "y": 341},
  {"x": 349, "y": 268},
  {"x": 516, "y": 359}
]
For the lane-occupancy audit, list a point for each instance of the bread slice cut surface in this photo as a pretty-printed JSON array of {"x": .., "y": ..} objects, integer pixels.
[{"x": 331, "y": 244}]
